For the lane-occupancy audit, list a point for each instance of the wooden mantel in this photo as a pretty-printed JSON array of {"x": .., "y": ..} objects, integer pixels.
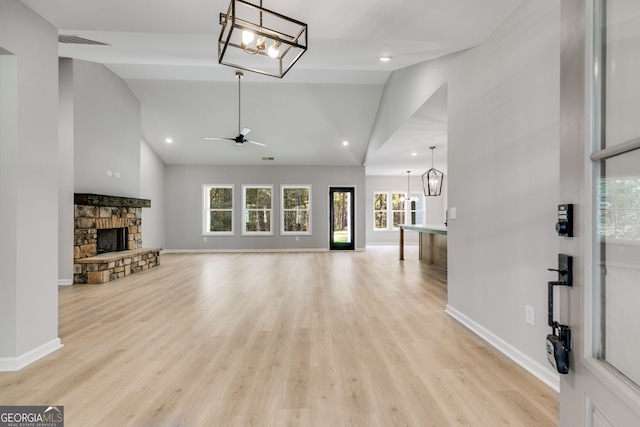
[{"x": 116, "y": 201}]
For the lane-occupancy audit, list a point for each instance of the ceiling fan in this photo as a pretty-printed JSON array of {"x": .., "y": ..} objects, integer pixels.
[{"x": 242, "y": 133}]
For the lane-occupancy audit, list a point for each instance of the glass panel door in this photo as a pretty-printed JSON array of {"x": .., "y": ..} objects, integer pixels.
[
  {"x": 341, "y": 214},
  {"x": 620, "y": 58},
  {"x": 618, "y": 235},
  {"x": 617, "y": 195}
]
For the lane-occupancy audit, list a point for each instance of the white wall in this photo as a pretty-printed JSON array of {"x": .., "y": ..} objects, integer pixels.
[
  {"x": 106, "y": 132},
  {"x": 152, "y": 188},
  {"x": 100, "y": 131},
  {"x": 503, "y": 118},
  {"x": 504, "y": 174},
  {"x": 65, "y": 173},
  {"x": 183, "y": 202},
  {"x": 28, "y": 186}
]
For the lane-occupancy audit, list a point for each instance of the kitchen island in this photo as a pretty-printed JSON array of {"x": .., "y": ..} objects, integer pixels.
[{"x": 432, "y": 244}]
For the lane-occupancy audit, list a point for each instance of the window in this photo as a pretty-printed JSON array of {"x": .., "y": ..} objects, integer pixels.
[
  {"x": 257, "y": 203},
  {"x": 296, "y": 209},
  {"x": 415, "y": 209},
  {"x": 218, "y": 210},
  {"x": 392, "y": 205},
  {"x": 397, "y": 210},
  {"x": 380, "y": 211},
  {"x": 619, "y": 213}
]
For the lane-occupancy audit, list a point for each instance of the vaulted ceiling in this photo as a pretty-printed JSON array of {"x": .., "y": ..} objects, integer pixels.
[{"x": 166, "y": 51}]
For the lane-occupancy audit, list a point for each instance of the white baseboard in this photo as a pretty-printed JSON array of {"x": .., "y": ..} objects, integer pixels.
[
  {"x": 541, "y": 372},
  {"x": 65, "y": 282},
  {"x": 187, "y": 251},
  {"x": 9, "y": 364},
  {"x": 395, "y": 244}
]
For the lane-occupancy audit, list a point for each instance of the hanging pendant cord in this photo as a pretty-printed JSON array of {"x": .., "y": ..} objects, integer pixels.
[{"x": 239, "y": 100}]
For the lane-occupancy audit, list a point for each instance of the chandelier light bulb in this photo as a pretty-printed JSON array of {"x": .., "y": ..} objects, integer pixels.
[
  {"x": 274, "y": 49},
  {"x": 247, "y": 37}
]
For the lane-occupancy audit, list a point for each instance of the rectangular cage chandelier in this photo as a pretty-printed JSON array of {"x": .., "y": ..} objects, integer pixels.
[{"x": 259, "y": 40}]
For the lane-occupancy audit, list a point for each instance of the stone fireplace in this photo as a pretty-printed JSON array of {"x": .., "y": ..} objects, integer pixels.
[{"x": 108, "y": 238}]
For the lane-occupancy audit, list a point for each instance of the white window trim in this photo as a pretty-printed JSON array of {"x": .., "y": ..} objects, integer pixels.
[
  {"x": 309, "y": 211},
  {"x": 206, "y": 208},
  {"x": 244, "y": 211}
]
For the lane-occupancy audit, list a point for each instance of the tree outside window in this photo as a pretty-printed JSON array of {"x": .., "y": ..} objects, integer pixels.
[
  {"x": 257, "y": 209},
  {"x": 218, "y": 209},
  {"x": 397, "y": 209},
  {"x": 296, "y": 209},
  {"x": 619, "y": 213},
  {"x": 380, "y": 211},
  {"x": 390, "y": 210}
]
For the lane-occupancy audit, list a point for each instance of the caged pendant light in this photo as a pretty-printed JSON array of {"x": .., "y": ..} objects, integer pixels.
[
  {"x": 259, "y": 40},
  {"x": 432, "y": 179},
  {"x": 408, "y": 197}
]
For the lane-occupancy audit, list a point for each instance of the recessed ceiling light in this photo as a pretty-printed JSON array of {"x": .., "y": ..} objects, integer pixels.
[
  {"x": 414, "y": 154},
  {"x": 168, "y": 140},
  {"x": 345, "y": 143},
  {"x": 385, "y": 58}
]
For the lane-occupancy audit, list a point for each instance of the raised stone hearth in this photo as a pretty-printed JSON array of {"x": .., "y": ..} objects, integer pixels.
[
  {"x": 113, "y": 265},
  {"x": 95, "y": 212}
]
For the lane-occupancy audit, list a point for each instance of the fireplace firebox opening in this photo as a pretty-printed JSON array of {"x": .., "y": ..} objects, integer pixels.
[{"x": 111, "y": 240}]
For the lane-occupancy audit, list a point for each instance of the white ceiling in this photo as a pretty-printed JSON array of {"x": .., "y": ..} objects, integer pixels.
[{"x": 166, "y": 52}]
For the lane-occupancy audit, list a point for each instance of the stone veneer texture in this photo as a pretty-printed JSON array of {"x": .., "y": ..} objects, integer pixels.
[{"x": 89, "y": 218}]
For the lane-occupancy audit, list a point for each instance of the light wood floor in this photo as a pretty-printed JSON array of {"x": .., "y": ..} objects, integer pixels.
[{"x": 293, "y": 339}]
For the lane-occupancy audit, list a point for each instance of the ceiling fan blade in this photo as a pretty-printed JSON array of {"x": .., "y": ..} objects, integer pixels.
[
  {"x": 255, "y": 142},
  {"x": 245, "y": 131},
  {"x": 217, "y": 138}
]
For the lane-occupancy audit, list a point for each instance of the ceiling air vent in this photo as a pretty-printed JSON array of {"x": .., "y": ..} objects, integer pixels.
[
  {"x": 268, "y": 158},
  {"x": 65, "y": 38}
]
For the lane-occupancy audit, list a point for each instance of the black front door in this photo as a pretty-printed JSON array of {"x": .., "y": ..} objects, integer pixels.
[{"x": 342, "y": 214}]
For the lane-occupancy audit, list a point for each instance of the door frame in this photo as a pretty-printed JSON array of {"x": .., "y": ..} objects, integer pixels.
[
  {"x": 330, "y": 243},
  {"x": 590, "y": 394}
]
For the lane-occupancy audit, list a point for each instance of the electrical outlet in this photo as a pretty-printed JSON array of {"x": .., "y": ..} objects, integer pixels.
[
  {"x": 297, "y": 238},
  {"x": 204, "y": 238},
  {"x": 529, "y": 315}
]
